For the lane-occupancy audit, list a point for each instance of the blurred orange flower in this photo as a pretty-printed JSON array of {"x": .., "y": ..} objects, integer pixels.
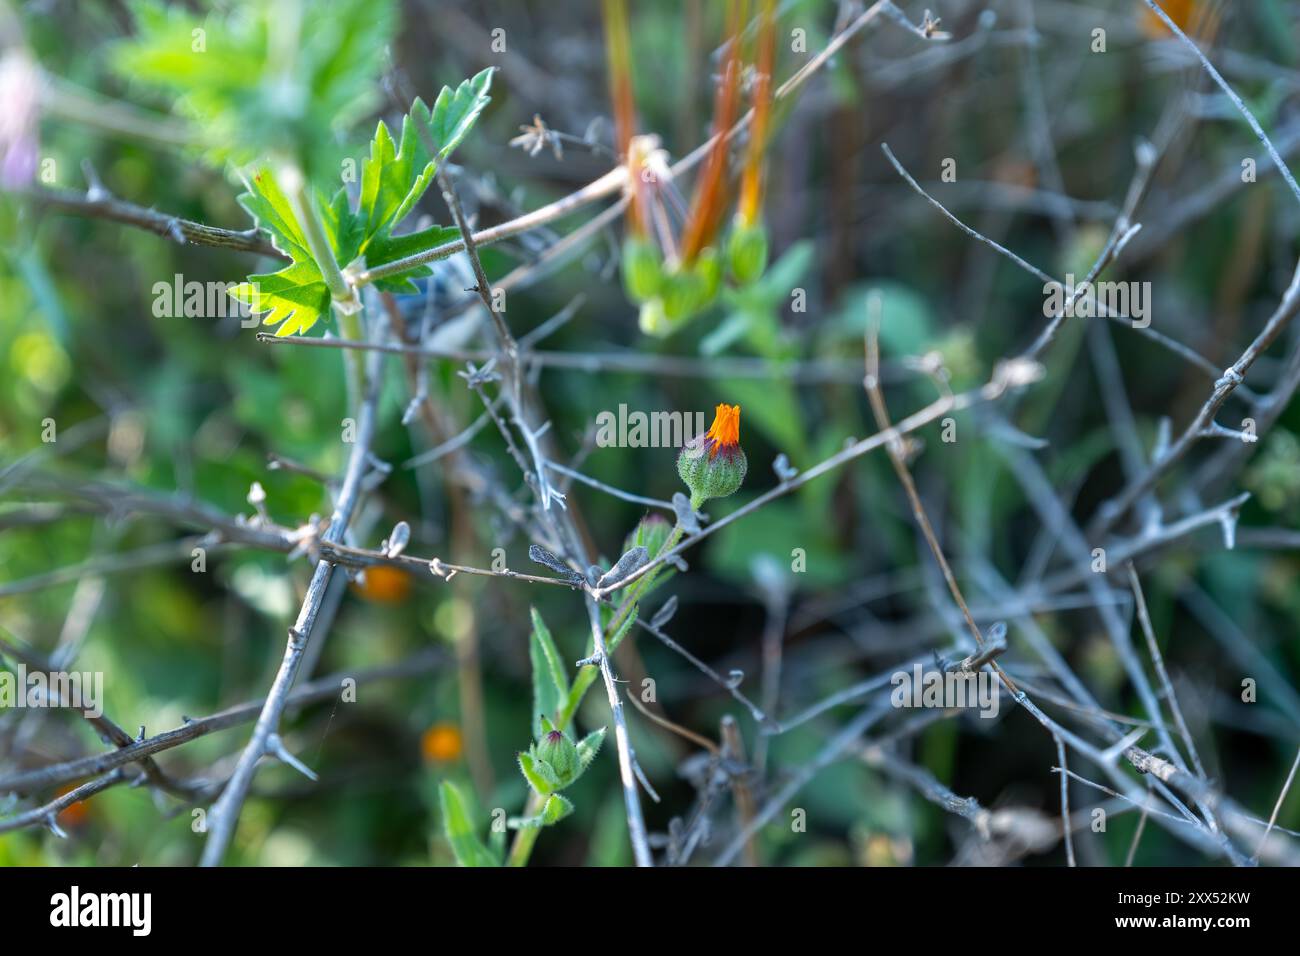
[
  {"x": 1196, "y": 18},
  {"x": 442, "y": 743},
  {"x": 384, "y": 585},
  {"x": 74, "y": 815}
]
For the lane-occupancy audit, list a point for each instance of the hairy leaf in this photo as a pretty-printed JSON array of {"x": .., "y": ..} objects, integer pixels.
[
  {"x": 550, "y": 680},
  {"x": 589, "y": 746}
]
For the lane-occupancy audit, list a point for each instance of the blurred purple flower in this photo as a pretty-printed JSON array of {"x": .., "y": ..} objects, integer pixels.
[{"x": 19, "y": 102}]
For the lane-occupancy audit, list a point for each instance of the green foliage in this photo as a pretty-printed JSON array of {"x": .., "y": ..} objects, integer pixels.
[
  {"x": 683, "y": 293},
  {"x": 653, "y": 532},
  {"x": 295, "y": 297},
  {"x": 196, "y": 409},
  {"x": 754, "y": 309},
  {"x": 617, "y": 637},
  {"x": 458, "y": 826},
  {"x": 276, "y": 93},
  {"x": 257, "y": 84},
  {"x": 1274, "y": 477},
  {"x": 784, "y": 527},
  {"x": 643, "y": 274}
]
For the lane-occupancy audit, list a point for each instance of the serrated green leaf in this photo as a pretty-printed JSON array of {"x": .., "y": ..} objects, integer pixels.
[
  {"x": 550, "y": 679},
  {"x": 344, "y": 230},
  {"x": 459, "y": 829},
  {"x": 273, "y": 214},
  {"x": 396, "y": 174},
  {"x": 393, "y": 179},
  {"x": 387, "y": 177},
  {"x": 296, "y": 297},
  {"x": 293, "y": 298},
  {"x": 455, "y": 111}
]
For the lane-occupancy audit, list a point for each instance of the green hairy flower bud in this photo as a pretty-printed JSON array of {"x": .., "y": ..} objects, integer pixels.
[{"x": 558, "y": 750}]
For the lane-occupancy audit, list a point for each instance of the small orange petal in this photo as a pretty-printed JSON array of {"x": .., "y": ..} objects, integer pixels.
[{"x": 725, "y": 431}]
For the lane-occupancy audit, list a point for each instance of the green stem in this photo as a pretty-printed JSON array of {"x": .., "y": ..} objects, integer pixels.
[
  {"x": 353, "y": 363},
  {"x": 526, "y": 837},
  {"x": 343, "y": 297}
]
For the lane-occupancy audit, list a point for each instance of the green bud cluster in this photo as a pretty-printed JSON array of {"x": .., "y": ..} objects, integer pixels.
[{"x": 669, "y": 297}]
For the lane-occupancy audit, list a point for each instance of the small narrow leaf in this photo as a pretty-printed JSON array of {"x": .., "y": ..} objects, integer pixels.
[
  {"x": 545, "y": 558},
  {"x": 272, "y": 213},
  {"x": 665, "y": 613},
  {"x": 556, "y": 809},
  {"x": 397, "y": 539},
  {"x": 550, "y": 679},
  {"x": 627, "y": 564},
  {"x": 687, "y": 518}
]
